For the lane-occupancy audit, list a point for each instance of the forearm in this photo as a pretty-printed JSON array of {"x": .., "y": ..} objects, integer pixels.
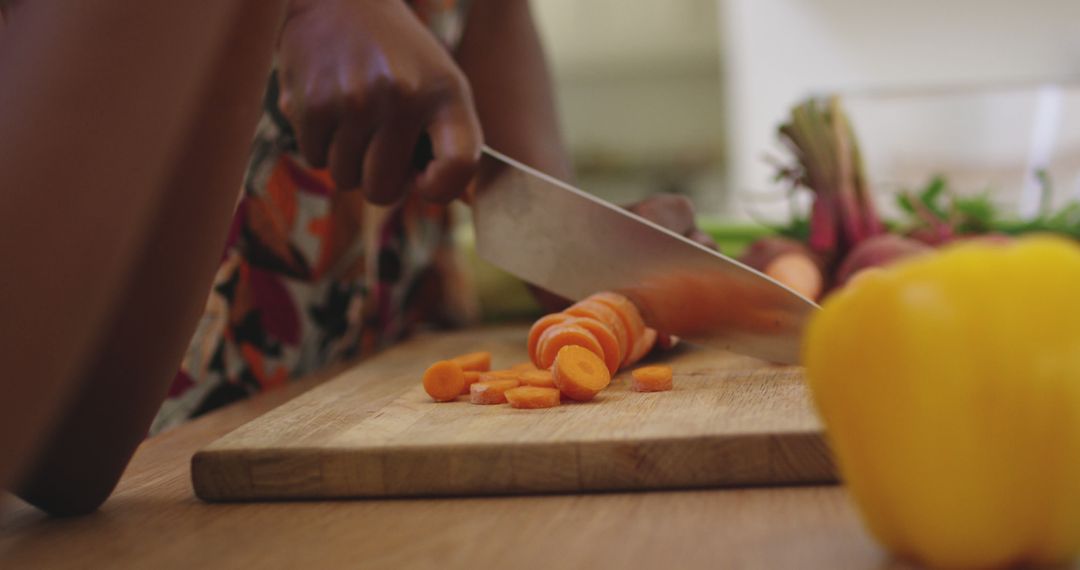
[
  {"x": 125, "y": 123},
  {"x": 501, "y": 54}
]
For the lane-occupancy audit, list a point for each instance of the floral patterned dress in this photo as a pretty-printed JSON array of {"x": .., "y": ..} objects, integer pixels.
[{"x": 311, "y": 275}]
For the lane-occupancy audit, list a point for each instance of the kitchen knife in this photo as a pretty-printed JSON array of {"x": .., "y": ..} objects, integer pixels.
[{"x": 573, "y": 244}]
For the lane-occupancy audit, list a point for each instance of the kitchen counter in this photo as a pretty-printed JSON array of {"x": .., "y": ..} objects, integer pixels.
[{"x": 153, "y": 520}]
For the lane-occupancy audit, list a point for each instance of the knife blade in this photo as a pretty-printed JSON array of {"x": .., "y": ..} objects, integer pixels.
[{"x": 571, "y": 243}]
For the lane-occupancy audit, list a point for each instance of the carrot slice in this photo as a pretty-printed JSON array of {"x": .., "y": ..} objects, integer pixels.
[
  {"x": 644, "y": 346},
  {"x": 491, "y": 391},
  {"x": 626, "y": 310},
  {"x": 499, "y": 375},
  {"x": 539, "y": 378},
  {"x": 538, "y": 329},
  {"x": 590, "y": 308},
  {"x": 524, "y": 367},
  {"x": 444, "y": 380},
  {"x": 613, "y": 356},
  {"x": 652, "y": 378},
  {"x": 474, "y": 361},
  {"x": 471, "y": 377},
  {"x": 579, "y": 373},
  {"x": 565, "y": 334},
  {"x": 532, "y": 397}
]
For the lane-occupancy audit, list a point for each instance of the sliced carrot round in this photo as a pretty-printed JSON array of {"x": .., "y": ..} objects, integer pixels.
[
  {"x": 627, "y": 311},
  {"x": 644, "y": 346},
  {"x": 579, "y": 373},
  {"x": 593, "y": 309},
  {"x": 613, "y": 355},
  {"x": 538, "y": 329},
  {"x": 538, "y": 378},
  {"x": 565, "y": 334},
  {"x": 474, "y": 361},
  {"x": 444, "y": 380},
  {"x": 524, "y": 367},
  {"x": 488, "y": 392},
  {"x": 656, "y": 378},
  {"x": 532, "y": 397},
  {"x": 471, "y": 377},
  {"x": 499, "y": 375}
]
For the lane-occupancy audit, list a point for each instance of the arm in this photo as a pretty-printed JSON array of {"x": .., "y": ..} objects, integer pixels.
[
  {"x": 500, "y": 53},
  {"x": 126, "y": 189}
]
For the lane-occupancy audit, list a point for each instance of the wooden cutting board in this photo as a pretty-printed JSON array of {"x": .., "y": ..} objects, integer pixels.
[{"x": 373, "y": 432}]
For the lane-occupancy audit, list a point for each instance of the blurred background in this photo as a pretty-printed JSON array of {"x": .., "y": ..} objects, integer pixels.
[{"x": 685, "y": 96}]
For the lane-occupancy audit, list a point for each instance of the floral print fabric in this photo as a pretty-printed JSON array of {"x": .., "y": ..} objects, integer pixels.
[{"x": 310, "y": 275}]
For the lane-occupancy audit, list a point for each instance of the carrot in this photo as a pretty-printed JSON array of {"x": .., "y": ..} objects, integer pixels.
[
  {"x": 491, "y": 391},
  {"x": 539, "y": 378},
  {"x": 613, "y": 355},
  {"x": 579, "y": 373},
  {"x": 499, "y": 375},
  {"x": 471, "y": 377},
  {"x": 565, "y": 334},
  {"x": 652, "y": 378},
  {"x": 531, "y": 397},
  {"x": 799, "y": 272},
  {"x": 524, "y": 367},
  {"x": 593, "y": 309},
  {"x": 474, "y": 361},
  {"x": 538, "y": 329},
  {"x": 628, "y": 312},
  {"x": 444, "y": 380},
  {"x": 644, "y": 346}
]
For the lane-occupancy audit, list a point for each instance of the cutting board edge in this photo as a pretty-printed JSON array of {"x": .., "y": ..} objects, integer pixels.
[{"x": 223, "y": 475}]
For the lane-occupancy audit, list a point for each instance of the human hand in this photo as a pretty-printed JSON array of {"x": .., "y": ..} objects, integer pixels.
[
  {"x": 675, "y": 213},
  {"x": 361, "y": 82}
]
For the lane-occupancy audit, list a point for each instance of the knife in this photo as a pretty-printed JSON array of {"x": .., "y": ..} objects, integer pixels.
[{"x": 571, "y": 243}]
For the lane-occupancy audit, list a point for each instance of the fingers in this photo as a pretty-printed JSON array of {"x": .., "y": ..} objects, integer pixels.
[
  {"x": 456, "y": 142},
  {"x": 367, "y": 137},
  {"x": 675, "y": 213},
  {"x": 355, "y": 131},
  {"x": 314, "y": 116},
  {"x": 671, "y": 211},
  {"x": 314, "y": 132},
  {"x": 388, "y": 165},
  {"x": 702, "y": 238}
]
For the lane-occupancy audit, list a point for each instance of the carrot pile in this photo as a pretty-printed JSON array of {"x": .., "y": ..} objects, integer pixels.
[{"x": 573, "y": 355}]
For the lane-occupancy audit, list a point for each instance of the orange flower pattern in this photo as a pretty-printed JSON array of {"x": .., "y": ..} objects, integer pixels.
[{"x": 309, "y": 275}]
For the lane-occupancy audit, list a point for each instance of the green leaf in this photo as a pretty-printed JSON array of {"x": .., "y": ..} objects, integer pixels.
[{"x": 931, "y": 195}]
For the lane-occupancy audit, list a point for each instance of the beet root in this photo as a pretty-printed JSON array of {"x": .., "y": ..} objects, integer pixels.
[{"x": 878, "y": 251}]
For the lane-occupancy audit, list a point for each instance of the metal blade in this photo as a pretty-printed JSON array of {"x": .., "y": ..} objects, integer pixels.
[{"x": 573, "y": 244}]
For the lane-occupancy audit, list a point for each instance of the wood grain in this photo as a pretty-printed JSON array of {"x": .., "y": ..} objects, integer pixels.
[
  {"x": 154, "y": 521},
  {"x": 373, "y": 432}
]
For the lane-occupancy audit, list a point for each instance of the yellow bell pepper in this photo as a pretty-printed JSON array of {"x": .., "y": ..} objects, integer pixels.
[{"x": 949, "y": 387}]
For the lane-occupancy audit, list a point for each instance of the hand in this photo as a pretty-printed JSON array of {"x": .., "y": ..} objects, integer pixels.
[
  {"x": 361, "y": 81},
  {"x": 675, "y": 213}
]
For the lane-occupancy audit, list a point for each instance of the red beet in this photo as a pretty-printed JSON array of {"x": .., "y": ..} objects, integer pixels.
[{"x": 878, "y": 251}]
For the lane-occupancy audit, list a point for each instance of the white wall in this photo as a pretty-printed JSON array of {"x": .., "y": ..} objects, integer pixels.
[
  {"x": 776, "y": 52},
  {"x": 639, "y": 90}
]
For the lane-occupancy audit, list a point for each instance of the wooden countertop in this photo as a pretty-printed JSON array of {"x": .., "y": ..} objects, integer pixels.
[{"x": 153, "y": 520}]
